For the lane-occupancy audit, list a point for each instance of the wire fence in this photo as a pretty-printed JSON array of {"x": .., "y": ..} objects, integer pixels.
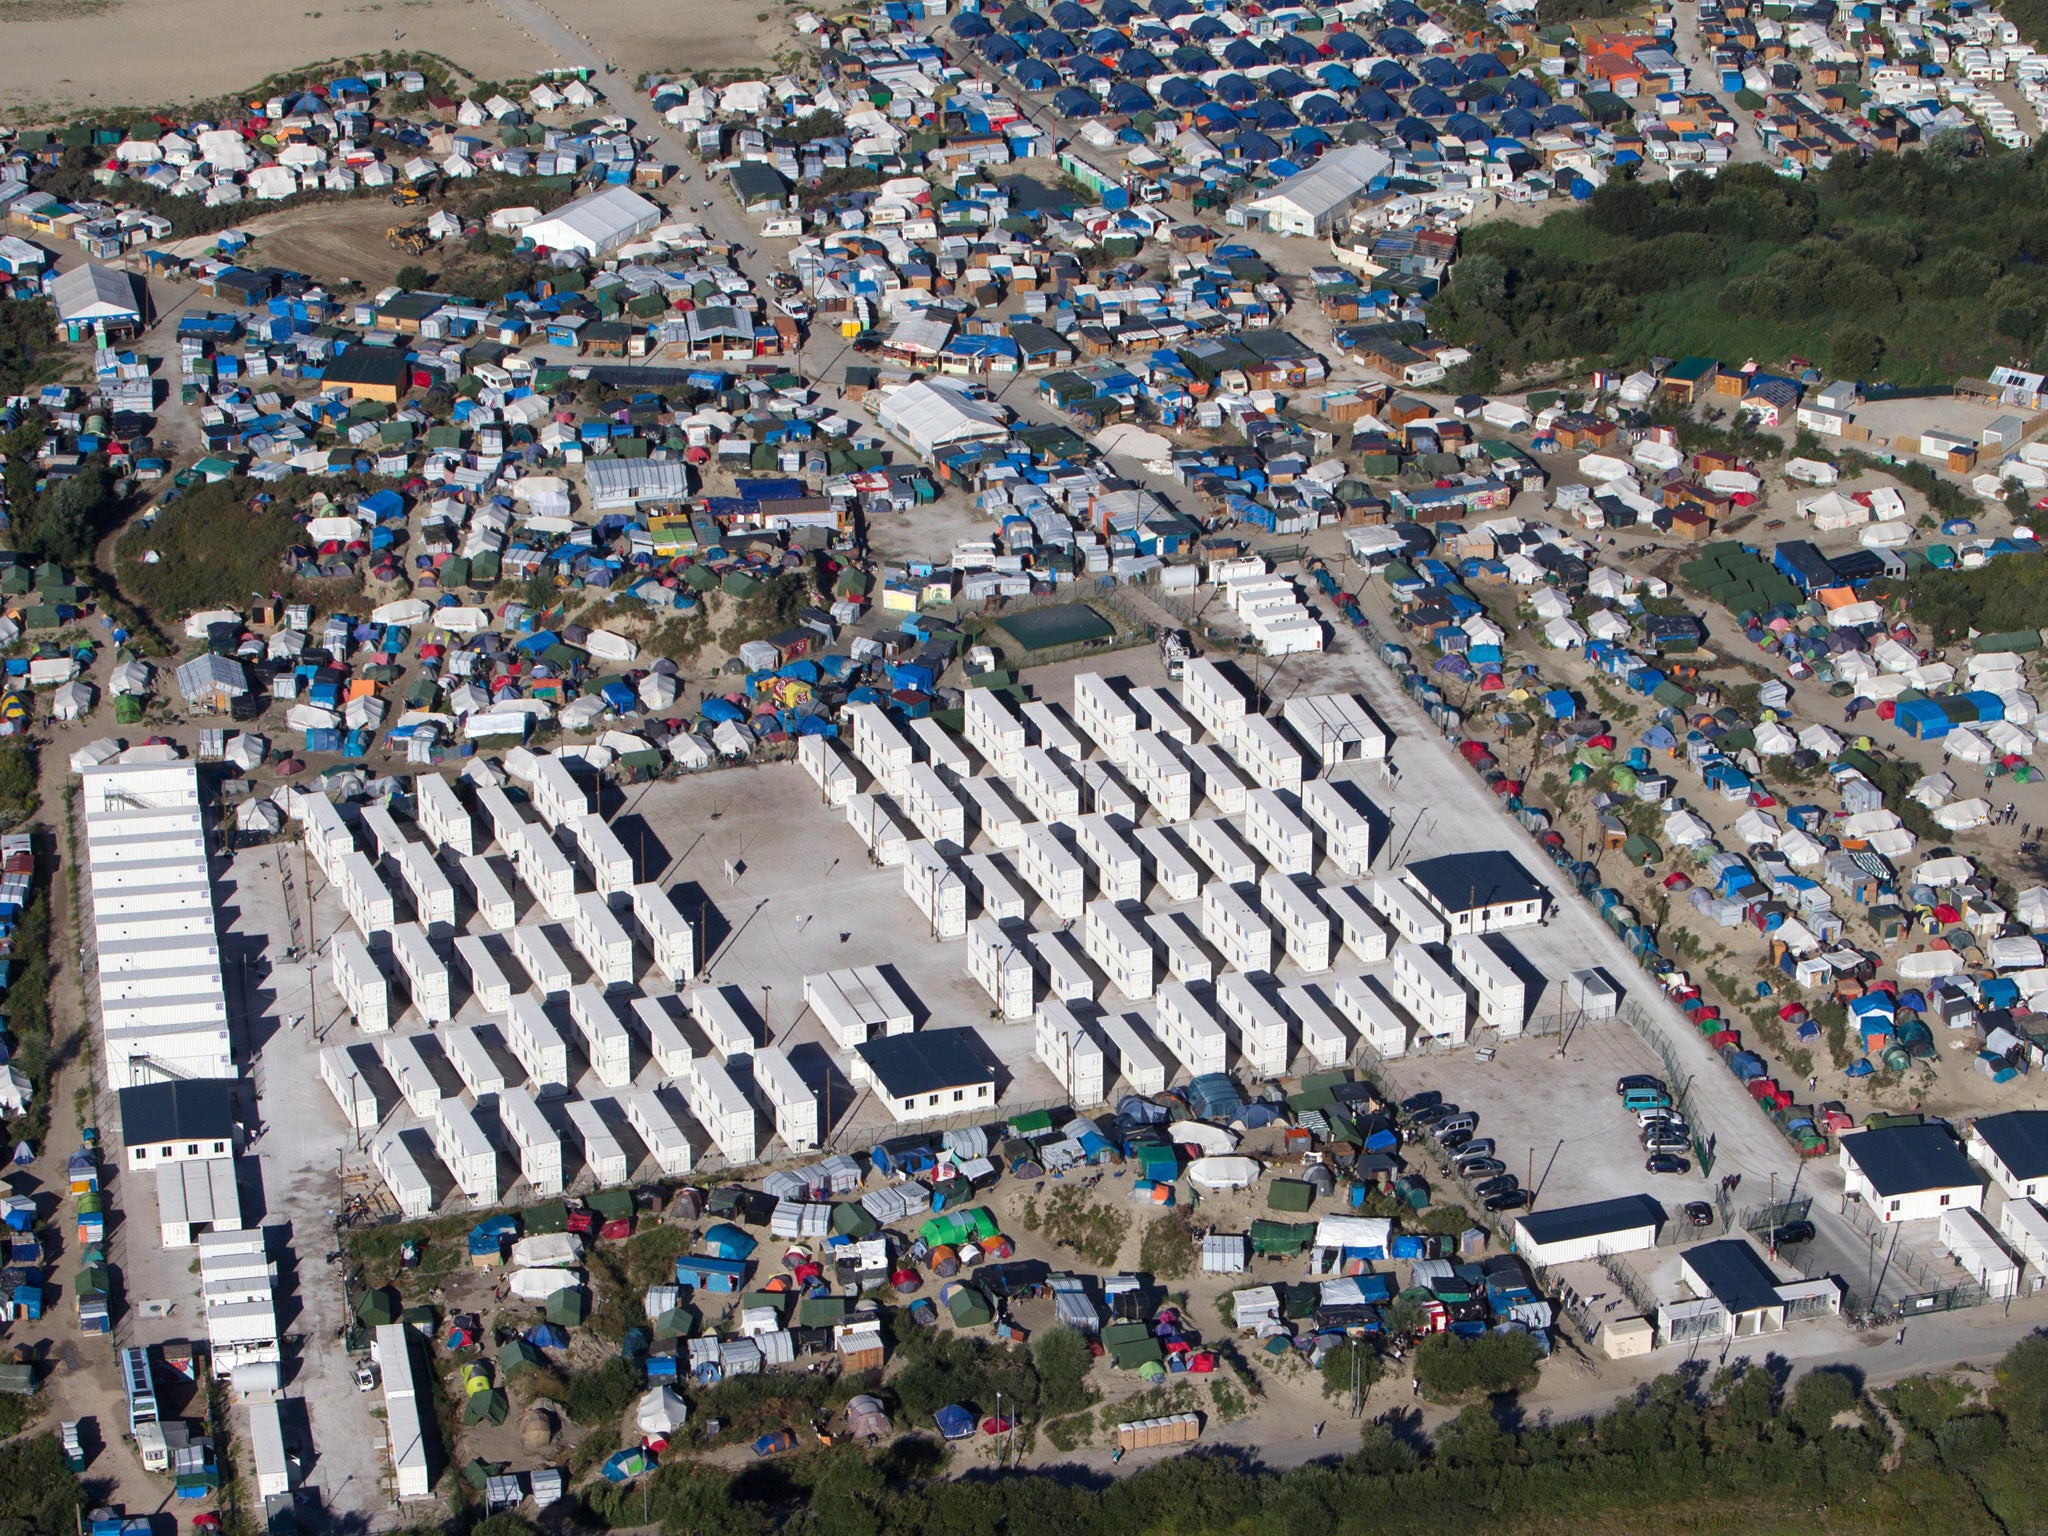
[{"x": 1680, "y": 1080}]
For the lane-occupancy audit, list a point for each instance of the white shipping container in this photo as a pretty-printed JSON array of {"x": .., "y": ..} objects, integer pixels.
[
  {"x": 936, "y": 889},
  {"x": 1161, "y": 713},
  {"x": 610, "y": 865},
  {"x": 1119, "y": 875},
  {"x": 939, "y": 748},
  {"x": 1001, "y": 966},
  {"x": 1304, "y": 926},
  {"x": 604, "y": 1159},
  {"x": 410, "y": 1188},
  {"x": 795, "y": 1107},
  {"x": 1187, "y": 1029},
  {"x": 666, "y": 1042},
  {"x": 461, "y": 1144},
  {"x": 877, "y": 830},
  {"x": 1120, "y": 948},
  {"x": 879, "y": 747},
  {"x": 1186, "y": 960},
  {"x": 433, "y": 893},
  {"x": 488, "y": 982},
  {"x": 408, "y": 1068},
  {"x": 1279, "y": 836},
  {"x": 993, "y": 729},
  {"x": 1496, "y": 985},
  {"x": 1212, "y": 697},
  {"x": 425, "y": 972},
  {"x": 1321, "y": 1035},
  {"x": 1065, "y": 976},
  {"x": 1414, "y": 919},
  {"x": 1261, "y": 1027},
  {"x": 534, "y": 1139},
  {"x": 1267, "y": 755},
  {"x": 717, "y": 1104},
  {"x": 535, "y": 951},
  {"x": 1239, "y": 934},
  {"x": 495, "y": 908},
  {"x": 1166, "y": 782},
  {"x": 1347, "y": 831},
  {"x": 547, "y": 873},
  {"x": 1104, "y": 793},
  {"x": 1049, "y": 732},
  {"x": 558, "y": 795},
  {"x": 1174, "y": 876},
  {"x": 997, "y": 818},
  {"x": 1049, "y": 869},
  {"x": 473, "y": 1061},
  {"x": 607, "y": 1044},
  {"x": 370, "y": 905},
  {"x": 717, "y": 1012},
  {"x": 444, "y": 820},
  {"x": 1131, "y": 1050},
  {"x": 365, "y": 991},
  {"x": 826, "y": 762},
  {"x": 1069, "y": 1052},
  {"x": 1102, "y": 713},
  {"x": 659, "y": 1130},
  {"x": 1212, "y": 842},
  {"x": 996, "y": 895},
  {"x": 669, "y": 934},
  {"x": 357, "y": 1100},
  {"x": 1430, "y": 993},
  {"x": 1362, "y": 933},
  {"x": 536, "y": 1044},
  {"x": 934, "y": 809},
  {"x": 601, "y": 939},
  {"x": 1373, "y": 1016},
  {"x": 1044, "y": 787}
]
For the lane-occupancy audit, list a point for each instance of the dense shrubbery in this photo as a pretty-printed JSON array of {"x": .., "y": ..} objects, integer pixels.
[
  {"x": 1915, "y": 267},
  {"x": 2008, "y": 594},
  {"x": 1450, "y": 1368}
]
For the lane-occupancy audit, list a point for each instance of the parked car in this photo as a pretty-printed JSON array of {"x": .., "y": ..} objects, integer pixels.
[
  {"x": 1791, "y": 1234},
  {"x": 1463, "y": 1122},
  {"x": 1415, "y": 1103},
  {"x": 1479, "y": 1146},
  {"x": 1648, "y": 1113},
  {"x": 1664, "y": 1162},
  {"x": 1513, "y": 1200},
  {"x": 1451, "y": 1141},
  {"x": 1639, "y": 1080},
  {"x": 1698, "y": 1213},
  {"x": 1498, "y": 1185},
  {"x": 1435, "y": 1114},
  {"x": 1482, "y": 1168}
]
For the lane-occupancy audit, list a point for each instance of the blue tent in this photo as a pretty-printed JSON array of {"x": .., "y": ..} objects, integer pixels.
[
  {"x": 716, "y": 710},
  {"x": 1293, "y": 49},
  {"x": 1052, "y": 45},
  {"x": 1150, "y": 34},
  {"x": 1183, "y": 94},
  {"x": 1400, "y": 43},
  {"x": 1338, "y": 77},
  {"x": 1562, "y": 115},
  {"x": 1234, "y": 90},
  {"x": 1405, "y": 13},
  {"x": 1463, "y": 125},
  {"x": 1307, "y": 142},
  {"x": 1254, "y": 146},
  {"x": 1525, "y": 92},
  {"x": 1213, "y": 117},
  {"x": 955, "y": 1422},
  {"x": 1486, "y": 100},
  {"x": 1273, "y": 116},
  {"x": 1035, "y": 75},
  {"x": 1321, "y": 108},
  {"x": 1105, "y": 41},
  {"x": 1284, "y": 84},
  {"x": 1140, "y": 64},
  {"x": 998, "y": 50},
  {"x": 727, "y": 1241},
  {"x": 1438, "y": 71},
  {"x": 1390, "y": 76},
  {"x": 547, "y": 1336},
  {"x": 1347, "y": 45},
  {"x": 1070, "y": 16},
  {"x": 1169, "y": 10},
  {"x": 1128, "y": 98},
  {"x": 1559, "y": 704},
  {"x": 1375, "y": 106},
  {"x": 1239, "y": 54},
  {"x": 1116, "y": 12},
  {"x": 1413, "y": 130},
  {"x": 1088, "y": 71},
  {"x": 1073, "y": 103},
  {"x": 1428, "y": 101},
  {"x": 1519, "y": 122},
  {"x": 967, "y": 26}
]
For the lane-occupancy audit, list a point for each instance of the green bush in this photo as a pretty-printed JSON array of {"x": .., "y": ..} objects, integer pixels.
[
  {"x": 1451, "y": 1368},
  {"x": 1062, "y": 1359},
  {"x": 600, "y": 1394}
]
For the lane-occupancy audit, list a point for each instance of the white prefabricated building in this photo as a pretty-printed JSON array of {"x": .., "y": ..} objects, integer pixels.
[
  {"x": 996, "y": 895},
  {"x": 1051, "y": 733},
  {"x": 1430, "y": 993},
  {"x": 466, "y": 1151},
  {"x": 356, "y": 1099},
  {"x": 933, "y": 808},
  {"x": 1217, "y": 778},
  {"x": 936, "y": 889},
  {"x": 1321, "y": 1035},
  {"x": 488, "y": 983},
  {"x": 601, "y": 939},
  {"x": 1378, "y": 1025},
  {"x": 1119, "y": 873},
  {"x": 408, "y": 1068},
  {"x": 365, "y": 990},
  {"x": 1279, "y": 836},
  {"x": 1066, "y": 978},
  {"x": 1186, "y": 959},
  {"x": 474, "y": 1061},
  {"x": 443, "y": 819},
  {"x": 410, "y": 1188},
  {"x": 1211, "y": 841},
  {"x": 1043, "y": 787},
  {"x": 406, "y": 1420},
  {"x": 666, "y": 1042},
  {"x": 558, "y": 794},
  {"x": 879, "y": 747},
  {"x": 1157, "y": 772},
  {"x": 535, "y": 1141},
  {"x": 610, "y": 865},
  {"x": 1267, "y": 755},
  {"x": 1070, "y": 1053},
  {"x": 536, "y": 953},
  {"x": 536, "y": 1044},
  {"x": 1304, "y": 926},
  {"x": 1054, "y": 873},
  {"x": 607, "y": 1043},
  {"x": 1104, "y": 793},
  {"x": 1116, "y": 944},
  {"x": 604, "y": 1159},
  {"x": 659, "y": 1130},
  {"x": 1142, "y": 1070},
  {"x": 877, "y": 829},
  {"x": 1496, "y": 985},
  {"x": 1104, "y": 716},
  {"x": 495, "y": 907},
  {"x": 1173, "y": 872},
  {"x": 1261, "y": 1027},
  {"x": 718, "y": 1105},
  {"x": 1163, "y": 715},
  {"x": 997, "y": 819},
  {"x": 1186, "y": 1028},
  {"x": 1414, "y": 919},
  {"x": 940, "y": 749},
  {"x": 370, "y": 904},
  {"x": 1239, "y": 934},
  {"x": 717, "y": 1012},
  {"x": 823, "y": 759},
  {"x": 1211, "y": 697},
  {"x": 1362, "y": 932},
  {"x": 798, "y": 1124},
  {"x": 425, "y": 972},
  {"x": 669, "y": 935},
  {"x": 1337, "y": 727},
  {"x": 1001, "y": 967},
  {"x": 992, "y": 729},
  {"x": 1347, "y": 831}
]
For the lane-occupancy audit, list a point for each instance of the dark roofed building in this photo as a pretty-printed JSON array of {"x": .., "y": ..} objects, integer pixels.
[
  {"x": 2013, "y": 1149},
  {"x": 369, "y": 373},
  {"x": 1909, "y": 1172},
  {"x": 181, "y": 1120},
  {"x": 928, "y": 1076},
  {"x": 1570, "y": 1233},
  {"x": 1481, "y": 892}
]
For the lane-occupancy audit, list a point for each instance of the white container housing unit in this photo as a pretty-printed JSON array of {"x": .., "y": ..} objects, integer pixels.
[
  {"x": 610, "y": 865},
  {"x": 669, "y": 1047},
  {"x": 1304, "y": 926},
  {"x": 1968, "y": 1238},
  {"x": 1217, "y": 779},
  {"x": 365, "y": 990},
  {"x": 879, "y": 747},
  {"x": 856, "y": 1005},
  {"x": 266, "y": 1446},
  {"x": 878, "y": 831},
  {"x": 1161, "y": 713},
  {"x": 1261, "y": 1027},
  {"x": 717, "y": 1012},
  {"x": 1186, "y": 959},
  {"x": 1104, "y": 716},
  {"x": 995, "y": 816},
  {"x": 996, "y": 896},
  {"x": 1414, "y": 919},
  {"x": 1066, "y": 978},
  {"x": 1001, "y": 967},
  {"x": 607, "y": 1043},
  {"x": 659, "y": 1130},
  {"x": 937, "y": 746},
  {"x": 670, "y": 936},
  {"x": 474, "y": 1061},
  {"x": 992, "y": 729},
  {"x": 1379, "y": 1026},
  {"x": 1070, "y": 1053},
  {"x": 356, "y": 1098},
  {"x": 604, "y": 1158},
  {"x": 371, "y": 906},
  {"x": 432, "y": 892},
  {"x": 1212, "y": 698},
  {"x": 933, "y": 808},
  {"x": 1044, "y": 787},
  {"x": 1361, "y": 932},
  {"x": 717, "y": 1104},
  {"x": 1049, "y": 869},
  {"x": 535, "y": 1141},
  {"x": 1337, "y": 727},
  {"x": 1049, "y": 732},
  {"x": 411, "y": 1189},
  {"x": 2024, "y": 1226},
  {"x": 466, "y": 1151},
  {"x": 1322, "y": 1036},
  {"x": 1159, "y": 774},
  {"x": 425, "y": 972},
  {"x": 1267, "y": 755},
  {"x": 1174, "y": 875},
  {"x": 408, "y": 1068},
  {"x": 1119, "y": 873},
  {"x": 1235, "y": 928},
  {"x": 386, "y": 836},
  {"x": 795, "y": 1108},
  {"x": 1279, "y": 836},
  {"x": 444, "y": 820},
  {"x": 495, "y": 908},
  {"x": 1187, "y": 1029},
  {"x": 1129, "y": 1049},
  {"x": 558, "y": 794},
  {"x": 536, "y": 1044},
  {"x": 488, "y": 982},
  {"x": 1430, "y": 993},
  {"x": 601, "y": 939},
  {"x": 826, "y": 762},
  {"x": 937, "y": 889},
  {"x": 1347, "y": 831},
  {"x": 1211, "y": 841},
  {"x": 547, "y": 872},
  {"x": 327, "y": 835},
  {"x": 1497, "y": 987},
  {"x": 536, "y": 952},
  {"x": 407, "y": 1420},
  {"x": 1104, "y": 792},
  {"x": 1117, "y": 945}
]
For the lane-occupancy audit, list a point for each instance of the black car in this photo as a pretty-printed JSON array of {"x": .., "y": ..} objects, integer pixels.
[
  {"x": 1664, "y": 1162},
  {"x": 1450, "y": 1141},
  {"x": 1698, "y": 1213},
  {"x": 1434, "y": 1113},
  {"x": 1417, "y": 1102},
  {"x": 1499, "y": 1185},
  {"x": 1513, "y": 1200},
  {"x": 1638, "y": 1080},
  {"x": 1481, "y": 1167},
  {"x": 1793, "y": 1232}
]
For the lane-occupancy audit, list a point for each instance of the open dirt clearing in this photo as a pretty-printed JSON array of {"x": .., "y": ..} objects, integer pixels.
[{"x": 333, "y": 242}]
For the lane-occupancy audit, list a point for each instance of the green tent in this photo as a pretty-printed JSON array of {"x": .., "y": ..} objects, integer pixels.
[
  {"x": 850, "y": 1219},
  {"x": 568, "y": 1308},
  {"x": 1291, "y": 1195},
  {"x": 376, "y": 1308},
  {"x": 970, "y": 1309},
  {"x": 611, "y": 1204},
  {"x": 675, "y": 1323},
  {"x": 519, "y": 1356},
  {"x": 820, "y": 1311},
  {"x": 544, "y": 1219},
  {"x": 486, "y": 1407},
  {"x": 1279, "y": 1239}
]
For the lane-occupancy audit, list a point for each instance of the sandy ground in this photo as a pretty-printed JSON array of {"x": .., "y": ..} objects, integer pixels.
[
  {"x": 333, "y": 242},
  {"x": 64, "y": 55}
]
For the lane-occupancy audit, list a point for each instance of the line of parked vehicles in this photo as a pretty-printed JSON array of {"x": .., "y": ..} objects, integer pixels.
[
  {"x": 1665, "y": 1134},
  {"x": 1456, "y": 1133}
]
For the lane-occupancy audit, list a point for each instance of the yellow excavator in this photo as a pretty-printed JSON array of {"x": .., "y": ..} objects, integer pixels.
[{"x": 413, "y": 239}]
